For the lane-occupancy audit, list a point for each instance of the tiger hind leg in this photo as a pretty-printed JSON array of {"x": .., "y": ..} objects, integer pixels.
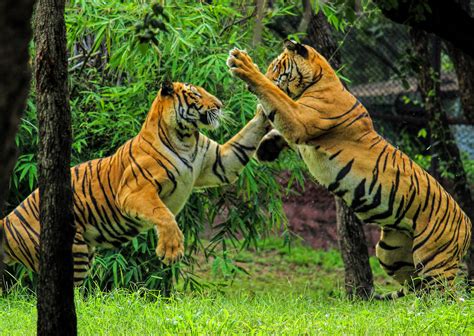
[
  {"x": 437, "y": 266},
  {"x": 391, "y": 296},
  {"x": 82, "y": 255},
  {"x": 394, "y": 251}
]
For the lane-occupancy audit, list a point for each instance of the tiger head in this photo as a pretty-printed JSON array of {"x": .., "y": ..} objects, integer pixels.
[
  {"x": 298, "y": 67},
  {"x": 189, "y": 107}
]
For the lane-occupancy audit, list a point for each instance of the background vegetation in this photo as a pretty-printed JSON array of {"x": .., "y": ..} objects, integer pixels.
[{"x": 120, "y": 52}]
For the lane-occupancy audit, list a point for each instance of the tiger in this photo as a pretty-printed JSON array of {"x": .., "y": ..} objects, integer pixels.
[
  {"x": 145, "y": 183},
  {"x": 424, "y": 232}
]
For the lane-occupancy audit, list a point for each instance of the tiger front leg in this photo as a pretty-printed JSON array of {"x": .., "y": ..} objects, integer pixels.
[
  {"x": 144, "y": 204},
  {"x": 271, "y": 146},
  {"x": 271, "y": 97},
  {"x": 298, "y": 123},
  {"x": 242, "y": 66}
]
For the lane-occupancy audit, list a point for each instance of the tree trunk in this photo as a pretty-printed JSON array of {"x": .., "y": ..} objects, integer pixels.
[
  {"x": 56, "y": 312},
  {"x": 306, "y": 17},
  {"x": 15, "y": 34},
  {"x": 464, "y": 65},
  {"x": 258, "y": 28},
  {"x": 445, "y": 153},
  {"x": 358, "y": 274}
]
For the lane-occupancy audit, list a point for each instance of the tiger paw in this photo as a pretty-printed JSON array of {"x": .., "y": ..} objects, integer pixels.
[
  {"x": 241, "y": 65},
  {"x": 271, "y": 146},
  {"x": 170, "y": 244}
]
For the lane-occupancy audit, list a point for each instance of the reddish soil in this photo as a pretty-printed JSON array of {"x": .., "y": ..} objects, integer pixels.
[{"x": 312, "y": 216}]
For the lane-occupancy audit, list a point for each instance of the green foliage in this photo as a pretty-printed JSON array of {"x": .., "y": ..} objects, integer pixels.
[
  {"x": 468, "y": 165},
  {"x": 115, "y": 72}
]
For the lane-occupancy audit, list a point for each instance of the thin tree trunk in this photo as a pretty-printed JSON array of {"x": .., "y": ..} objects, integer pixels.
[
  {"x": 353, "y": 246},
  {"x": 56, "y": 311},
  {"x": 358, "y": 274},
  {"x": 464, "y": 65},
  {"x": 15, "y": 34},
  {"x": 258, "y": 28},
  {"x": 306, "y": 17},
  {"x": 444, "y": 150}
]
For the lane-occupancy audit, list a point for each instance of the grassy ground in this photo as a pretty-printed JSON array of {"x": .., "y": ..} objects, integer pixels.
[{"x": 286, "y": 293}]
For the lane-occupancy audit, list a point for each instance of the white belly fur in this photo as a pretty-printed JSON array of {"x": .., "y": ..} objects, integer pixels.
[{"x": 318, "y": 164}]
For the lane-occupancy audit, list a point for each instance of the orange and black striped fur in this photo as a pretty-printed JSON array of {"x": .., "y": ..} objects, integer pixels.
[
  {"x": 145, "y": 183},
  {"x": 425, "y": 233}
]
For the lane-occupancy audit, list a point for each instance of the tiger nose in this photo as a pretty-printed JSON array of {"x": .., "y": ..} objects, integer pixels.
[{"x": 219, "y": 103}]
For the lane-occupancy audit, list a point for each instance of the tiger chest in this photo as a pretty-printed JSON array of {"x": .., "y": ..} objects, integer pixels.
[
  {"x": 319, "y": 166},
  {"x": 177, "y": 191}
]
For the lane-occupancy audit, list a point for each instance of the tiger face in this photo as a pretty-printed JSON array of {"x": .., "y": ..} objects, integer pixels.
[
  {"x": 297, "y": 67},
  {"x": 190, "y": 107}
]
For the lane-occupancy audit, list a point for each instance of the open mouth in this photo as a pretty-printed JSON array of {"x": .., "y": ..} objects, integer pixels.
[{"x": 211, "y": 117}]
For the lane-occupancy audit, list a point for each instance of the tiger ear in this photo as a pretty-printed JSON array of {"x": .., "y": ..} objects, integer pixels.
[
  {"x": 167, "y": 88},
  {"x": 290, "y": 44},
  {"x": 299, "y": 48}
]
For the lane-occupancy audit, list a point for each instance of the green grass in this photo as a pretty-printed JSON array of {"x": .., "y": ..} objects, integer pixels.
[{"x": 286, "y": 293}]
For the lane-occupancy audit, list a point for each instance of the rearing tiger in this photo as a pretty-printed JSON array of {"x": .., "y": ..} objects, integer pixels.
[
  {"x": 425, "y": 233},
  {"x": 145, "y": 183}
]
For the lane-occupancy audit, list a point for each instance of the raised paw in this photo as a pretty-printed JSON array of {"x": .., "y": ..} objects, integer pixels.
[
  {"x": 242, "y": 66},
  {"x": 170, "y": 244},
  {"x": 271, "y": 146}
]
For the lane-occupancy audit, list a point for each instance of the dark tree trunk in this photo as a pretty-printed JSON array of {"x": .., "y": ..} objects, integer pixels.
[
  {"x": 464, "y": 65},
  {"x": 56, "y": 311},
  {"x": 15, "y": 34},
  {"x": 353, "y": 246},
  {"x": 358, "y": 274},
  {"x": 445, "y": 153}
]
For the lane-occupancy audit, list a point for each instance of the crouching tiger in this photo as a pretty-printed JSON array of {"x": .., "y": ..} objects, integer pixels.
[
  {"x": 425, "y": 233},
  {"x": 145, "y": 183}
]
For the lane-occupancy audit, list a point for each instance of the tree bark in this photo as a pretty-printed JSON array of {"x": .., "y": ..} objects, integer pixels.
[
  {"x": 258, "y": 28},
  {"x": 56, "y": 311},
  {"x": 464, "y": 65},
  {"x": 353, "y": 246},
  {"x": 445, "y": 153},
  {"x": 352, "y": 243},
  {"x": 15, "y": 34}
]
